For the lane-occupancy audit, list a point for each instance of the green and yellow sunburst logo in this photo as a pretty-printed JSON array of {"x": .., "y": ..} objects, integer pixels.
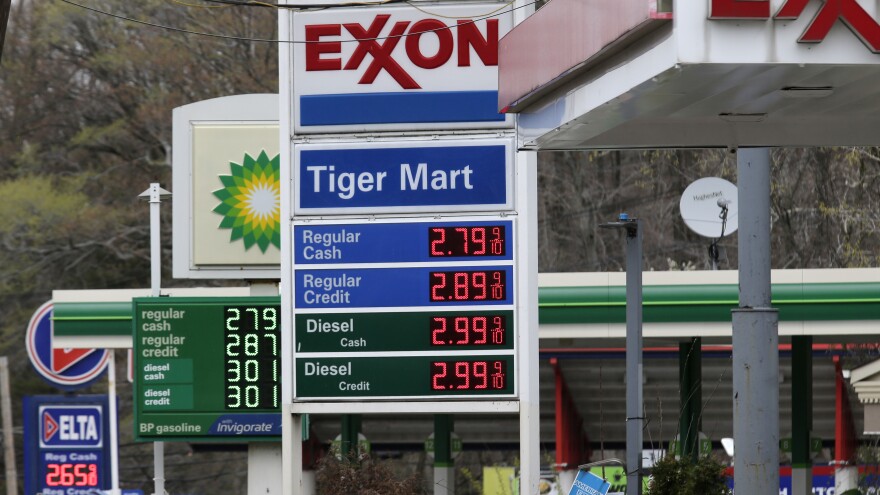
[{"x": 251, "y": 201}]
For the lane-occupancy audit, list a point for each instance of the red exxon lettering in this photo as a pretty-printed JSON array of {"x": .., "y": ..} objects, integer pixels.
[
  {"x": 380, "y": 46},
  {"x": 381, "y": 52},
  {"x": 849, "y": 12}
]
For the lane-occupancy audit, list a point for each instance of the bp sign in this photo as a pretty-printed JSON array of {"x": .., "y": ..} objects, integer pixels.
[{"x": 68, "y": 369}]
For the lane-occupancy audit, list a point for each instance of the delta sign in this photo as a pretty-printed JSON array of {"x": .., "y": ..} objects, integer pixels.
[
  {"x": 65, "y": 448},
  {"x": 398, "y": 68}
]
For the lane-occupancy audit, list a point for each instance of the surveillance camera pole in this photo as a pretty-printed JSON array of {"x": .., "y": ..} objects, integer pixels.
[{"x": 635, "y": 419}]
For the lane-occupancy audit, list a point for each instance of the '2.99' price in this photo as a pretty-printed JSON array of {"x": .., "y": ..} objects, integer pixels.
[
  {"x": 468, "y": 330},
  {"x": 475, "y": 285},
  {"x": 468, "y": 375}
]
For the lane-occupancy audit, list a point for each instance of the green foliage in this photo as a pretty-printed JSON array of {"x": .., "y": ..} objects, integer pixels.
[
  {"x": 472, "y": 481},
  {"x": 363, "y": 476},
  {"x": 672, "y": 476}
]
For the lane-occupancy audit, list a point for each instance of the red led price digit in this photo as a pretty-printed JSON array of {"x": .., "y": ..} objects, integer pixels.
[
  {"x": 438, "y": 376},
  {"x": 53, "y": 476},
  {"x": 435, "y": 296},
  {"x": 461, "y": 327},
  {"x": 498, "y": 330},
  {"x": 93, "y": 475},
  {"x": 498, "y": 375},
  {"x": 80, "y": 475},
  {"x": 497, "y": 286},
  {"x": 439, "y": 241},
  {"x": 462, "y": 370},
  {"x": 479, "y": 282},
  {"x": 461, "y": 286},
  {"x": 479, "y": 326},
  {"x": 478, "y": 236},
  {"x": 438, "y": 327},
  {"x": 497, "y": 242},
  {"x": 464, "y": 234},
  {"x": 481, "y": 370},
  {"x": 66, "y": 478}
]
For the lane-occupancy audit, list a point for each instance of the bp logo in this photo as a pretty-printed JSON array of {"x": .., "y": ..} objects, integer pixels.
[{"x": 250, "y": 201}]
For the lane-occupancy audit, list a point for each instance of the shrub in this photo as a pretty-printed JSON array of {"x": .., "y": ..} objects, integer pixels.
[
  {"x": 362, "y": 476},
  {"x": 671, "y": 476}
]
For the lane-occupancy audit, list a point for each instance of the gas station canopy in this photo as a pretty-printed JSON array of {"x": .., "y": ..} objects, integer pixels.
[{"x": 626, "y": 74}]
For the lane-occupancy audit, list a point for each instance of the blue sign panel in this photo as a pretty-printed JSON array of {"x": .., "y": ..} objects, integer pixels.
[
  {"x": 459, "y": 176},
  {"x": 403, "y": 242},
  {"x": 588, "y": 483},
  {"x": 403, "y": 287},
  {"x": 393, "y": 108},
  {"x": 66, "y": 445}
]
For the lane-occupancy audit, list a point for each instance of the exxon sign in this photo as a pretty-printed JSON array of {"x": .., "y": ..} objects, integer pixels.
[
  {"x": 824, "y": 16},
  {"x": 398, "y": 68}
]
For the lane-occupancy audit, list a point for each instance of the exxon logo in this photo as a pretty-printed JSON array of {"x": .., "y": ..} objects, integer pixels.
[
  {"x": 383, "y": 41},
  {"x": 849, "y": 12},
  {"x": 71, "y": 427}
]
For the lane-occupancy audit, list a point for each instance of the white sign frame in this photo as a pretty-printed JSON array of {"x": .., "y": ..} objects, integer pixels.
[{"x": 237, "y": 111}]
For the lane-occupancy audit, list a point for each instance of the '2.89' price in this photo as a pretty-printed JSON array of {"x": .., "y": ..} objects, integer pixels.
[
  {"x": 468, "y": 375},
  {"x": 474, "y": 285}
]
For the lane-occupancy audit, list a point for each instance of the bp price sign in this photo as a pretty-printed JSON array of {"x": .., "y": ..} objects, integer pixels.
[
  {"x": 207, "y": 368},
  {"x": 66, "y": 444}
]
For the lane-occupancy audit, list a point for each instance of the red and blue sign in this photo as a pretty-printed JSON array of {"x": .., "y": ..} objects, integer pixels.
[
  {"x": 398, "y": 68},
  {"x": 68, "y": 369},
  {"x": 65, "y": 448}
]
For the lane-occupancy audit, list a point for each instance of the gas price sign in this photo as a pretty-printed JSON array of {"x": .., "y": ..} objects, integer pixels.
[
  {"x": 207, "y": 368},
  {"x": 431, "y": 304},
  {"x": 66, "y": 444}
]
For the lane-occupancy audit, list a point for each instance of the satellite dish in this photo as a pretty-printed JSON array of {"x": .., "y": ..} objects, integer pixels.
[{"x": 703, "y": 204}]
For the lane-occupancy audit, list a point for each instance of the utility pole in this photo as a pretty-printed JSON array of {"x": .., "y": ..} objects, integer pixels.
[
  {"x": 8, "y": 442},
  {"x": 755, "y": 335}
]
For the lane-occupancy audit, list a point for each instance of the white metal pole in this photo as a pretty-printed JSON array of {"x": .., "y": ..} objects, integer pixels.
[
  {"x": 114, "y": 426},
  {"x": 292, "y": 481},
  {"x": 529, "y": 412},
  {"x": 155, "y": 285}
]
